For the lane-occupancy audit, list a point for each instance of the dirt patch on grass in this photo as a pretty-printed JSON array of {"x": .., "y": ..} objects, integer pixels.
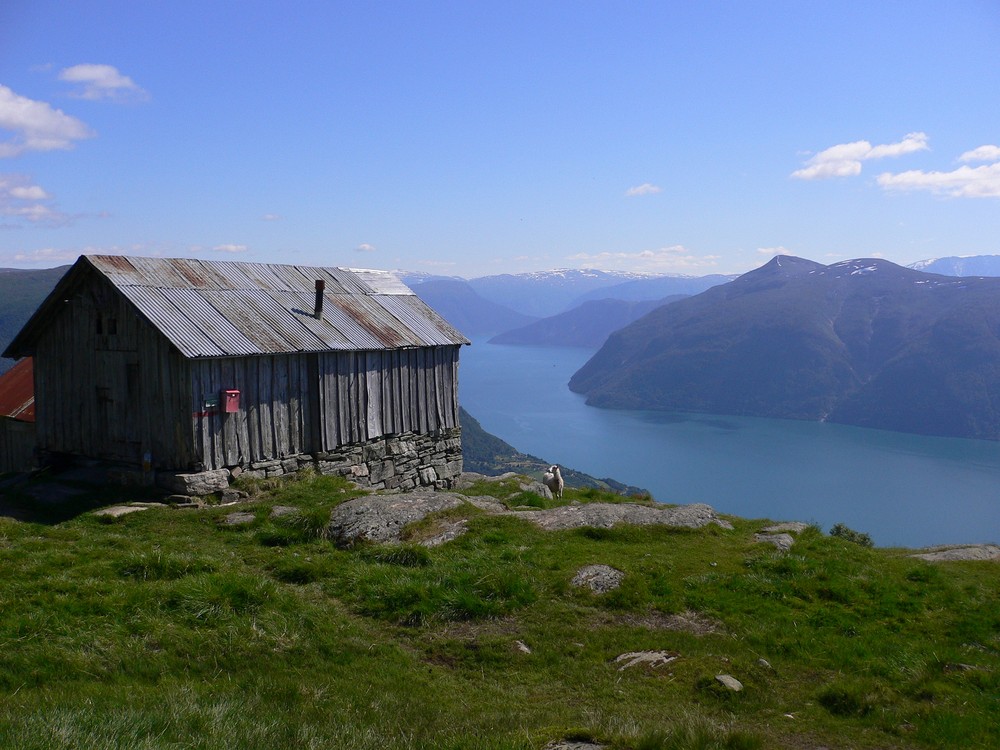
[{"x": 685, "y": 622}]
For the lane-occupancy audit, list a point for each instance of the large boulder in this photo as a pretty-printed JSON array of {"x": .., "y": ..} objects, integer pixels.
[{"x": 196, "y": 483}]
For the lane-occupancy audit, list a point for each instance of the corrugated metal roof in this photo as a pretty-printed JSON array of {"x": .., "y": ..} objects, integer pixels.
[
  {"x": 223, "y": 308},
  {"x": 17, "y": 391}
]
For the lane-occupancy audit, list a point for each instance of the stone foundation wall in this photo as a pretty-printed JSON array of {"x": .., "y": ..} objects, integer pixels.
[{"x": 393, "y": 462}]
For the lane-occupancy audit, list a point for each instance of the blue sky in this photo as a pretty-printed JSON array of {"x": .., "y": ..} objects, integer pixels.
[{"x": 475, "y": 138}]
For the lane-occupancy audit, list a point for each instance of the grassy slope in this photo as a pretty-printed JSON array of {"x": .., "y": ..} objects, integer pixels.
[{"x": 166, "y": 629}]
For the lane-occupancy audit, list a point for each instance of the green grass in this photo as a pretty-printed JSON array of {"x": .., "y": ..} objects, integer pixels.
[{"x": 167, "y": 629}]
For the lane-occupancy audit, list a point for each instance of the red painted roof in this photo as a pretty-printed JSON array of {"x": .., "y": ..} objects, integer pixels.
[{"x": 17, "y": 392}]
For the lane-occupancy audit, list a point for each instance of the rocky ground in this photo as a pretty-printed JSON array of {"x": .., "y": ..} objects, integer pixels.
[{"x": 382, "y": 518}]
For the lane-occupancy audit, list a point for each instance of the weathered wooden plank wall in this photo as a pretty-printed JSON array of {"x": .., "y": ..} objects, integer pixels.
[
  {"x": 108, "y": 385},
  {"x": 305, "y": 403},
  {"x": 17, "y": 445}
]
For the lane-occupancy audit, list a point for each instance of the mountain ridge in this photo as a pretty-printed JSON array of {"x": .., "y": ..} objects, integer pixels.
[{"x": 863, "y": 342}]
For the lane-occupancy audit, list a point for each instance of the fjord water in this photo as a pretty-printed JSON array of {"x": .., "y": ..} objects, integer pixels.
[{"x": 903, "y": 490}]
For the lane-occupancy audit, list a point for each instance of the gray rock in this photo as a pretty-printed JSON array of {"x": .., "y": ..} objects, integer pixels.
[
  {"x": 792, "y": 527},
  {"x": 965, "y": 552},
  {"x": 230, "y": 496},
  {"x": 382, "y": 518},
  {"x": 783, "y": 542},
  {"x": 198, "y": 483},
  {"x": 607, "y": 515},
  {"x": 652, "y": 659},
  {"x": 598, "y": 578},
  {"x": 537, "y": 488},
  {"x": 448, "y": 531},
  {"x": 116, "y": 511},
  {"x": 730, "y": 682},
  {"x": 280, "y": 511},
  {"x": 240, "y": 518}
]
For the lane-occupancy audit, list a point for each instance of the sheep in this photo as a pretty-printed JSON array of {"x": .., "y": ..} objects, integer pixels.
[{"x": 554, "y": 481}]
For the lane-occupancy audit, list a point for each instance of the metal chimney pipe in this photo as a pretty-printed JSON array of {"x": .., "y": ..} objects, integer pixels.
[{"x": 318, "y": 309}]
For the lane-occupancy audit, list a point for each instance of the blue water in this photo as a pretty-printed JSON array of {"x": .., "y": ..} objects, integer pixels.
[{"x": 904, "y": 490}]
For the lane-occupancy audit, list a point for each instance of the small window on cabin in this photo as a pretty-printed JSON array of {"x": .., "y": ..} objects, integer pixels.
[{"x": 107, "y": 325}]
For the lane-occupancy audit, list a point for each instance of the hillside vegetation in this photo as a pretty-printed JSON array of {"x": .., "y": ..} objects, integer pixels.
[
  {"x": 862, "y": 342},
  {"x": 172, "y": 628}
]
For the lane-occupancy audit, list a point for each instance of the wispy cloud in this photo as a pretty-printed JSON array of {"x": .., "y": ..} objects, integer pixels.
[
  {"x": 983, "y": 153},
  {"x": 844, "y": 160},
  {"x": 36, "y": 126},
  {"x": 230, "y": 248},
  {"x": 964, "y": 182},
  {"x": 271, "y": 217},
  {"x": 364, "y": 247},
  {"x": 23, "y": 201},
  {"x": 772, "y": 251},
  {"x": 102, "y": 83},
  {"x": 646, "y": 188},
  {"x": 675, "y": 258},
  {"x": 48, "y": 255}
]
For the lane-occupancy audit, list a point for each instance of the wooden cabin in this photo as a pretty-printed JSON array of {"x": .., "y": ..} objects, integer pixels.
[{"x": 191, "y": 365}]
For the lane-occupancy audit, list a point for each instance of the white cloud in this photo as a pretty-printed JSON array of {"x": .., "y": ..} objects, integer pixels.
[
  {"x": 364, "y": 247},
  {"x": 675, "y": 258},
  {"x": 230, "y": 248},
  {"x": 102, "y": 82},
  {"x": 964, "y": 182},
  {"x": 49, "y": 255},
  {"x": 844, "y": 160},
  {"x": 22, "y": 200},
  {"x": 772, "y": 251},
  {"x": 271, "y": 217},
  {"x": 27, "y": 193},
  {"x": 646, "y": 188},
  {"x": 36, "y": 126},
  {"x": 983, "y": 153},
  {"x": 436, "y": 263}
]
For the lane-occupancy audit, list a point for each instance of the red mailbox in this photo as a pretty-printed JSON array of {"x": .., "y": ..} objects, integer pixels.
[{"x": 231, "y": 401}]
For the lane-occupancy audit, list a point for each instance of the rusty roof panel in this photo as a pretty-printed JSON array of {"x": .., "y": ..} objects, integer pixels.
[
  {"x": 17, "y": 391},
  {"x": 211, "y": 321},
  {"x": 171, "y": 321},
  {"x": 224, "y": 308},
  {"x": 422, "y": 320},
  {"x": 325, "y": 331}
]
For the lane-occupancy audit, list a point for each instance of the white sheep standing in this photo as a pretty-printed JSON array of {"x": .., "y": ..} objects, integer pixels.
[{"x": 554, "y": 481}]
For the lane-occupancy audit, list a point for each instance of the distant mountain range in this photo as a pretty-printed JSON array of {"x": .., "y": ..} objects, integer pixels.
[
  {"x": 462, "y": 306},
  {"x": 956, "y": 265},
  {"x": 497, "y": 304},
  {"x": 587, "y": 326},
  {"x": 21, "y": 291},
  {"x": 545, "y": 293},
  {"x": 863, "y": 342}
]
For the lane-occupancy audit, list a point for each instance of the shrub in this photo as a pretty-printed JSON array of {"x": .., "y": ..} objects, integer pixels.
[{"x": 850, "y": 535}]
